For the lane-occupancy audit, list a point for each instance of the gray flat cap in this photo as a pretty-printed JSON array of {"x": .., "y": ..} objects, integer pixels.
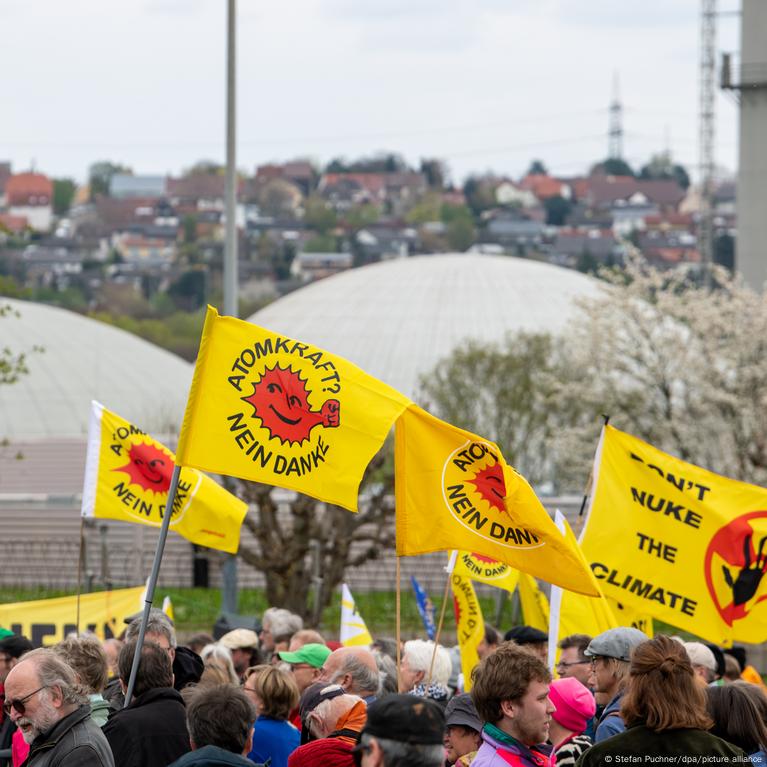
[{"x": 616, "y": 643}]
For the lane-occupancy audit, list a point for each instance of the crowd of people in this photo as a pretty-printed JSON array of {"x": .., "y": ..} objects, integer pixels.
[{"x": 286, "y": 697}]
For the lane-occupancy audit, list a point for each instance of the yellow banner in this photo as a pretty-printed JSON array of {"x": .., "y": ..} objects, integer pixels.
[
  {"x": 486, "y": 570},
  {"x": 354, "y": 632},
  {"x": 267, "y": 408},
  {"x": 128, "y": 475},
  {"x": 535, "y": 606},
  {"x": 627, "y": 616},
  {"x": 469, "y": 624},
  {"x": 454, "y": 491},
  {"x": 677, "y": 542},
  {"x": 47, "y": 621}
]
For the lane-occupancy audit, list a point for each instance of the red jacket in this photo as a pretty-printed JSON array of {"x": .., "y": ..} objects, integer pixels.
[{"x": 329, "y": 752}]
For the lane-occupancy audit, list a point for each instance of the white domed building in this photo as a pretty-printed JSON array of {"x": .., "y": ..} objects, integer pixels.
[{"x": 397, "y": 319}]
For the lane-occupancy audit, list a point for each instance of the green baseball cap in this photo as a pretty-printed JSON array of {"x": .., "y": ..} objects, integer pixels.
[{"x": 313, "y": 654}]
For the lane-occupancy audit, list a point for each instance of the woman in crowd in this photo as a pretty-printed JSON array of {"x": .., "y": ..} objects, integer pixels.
[
  {"x": 664, "y": 711},
  {"x": 737, "y": 720},
  {"x": 414, "y": 671},
  {"x": 575, "y": 707},
  {"x": 275, "y": 694},
  {"x": 218, "y": 666}
]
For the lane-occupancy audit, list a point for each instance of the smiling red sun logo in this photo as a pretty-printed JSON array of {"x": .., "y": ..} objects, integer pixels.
[
  {"x": 148, "y": 467},
  {"x": 490, "y": 485},
  {"x": 280, "y": 400}
]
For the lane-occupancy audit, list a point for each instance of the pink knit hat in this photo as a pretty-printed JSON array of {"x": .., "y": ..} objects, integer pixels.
[{"x": 575, "y": 704}]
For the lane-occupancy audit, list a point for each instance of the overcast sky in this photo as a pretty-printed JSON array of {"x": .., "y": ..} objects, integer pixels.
[{"x": 482, "y": 84}]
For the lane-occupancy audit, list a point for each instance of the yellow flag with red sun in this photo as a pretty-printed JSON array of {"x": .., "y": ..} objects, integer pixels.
[
  {"x": 455, "y": 491},
  {"x": 469, "y": 624},
  {"x": 128, "y": 475},
  {"x": 271, "y": 409}
]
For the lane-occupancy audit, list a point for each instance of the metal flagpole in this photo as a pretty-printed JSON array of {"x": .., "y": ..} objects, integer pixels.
[{"x": 152, "y": 582}]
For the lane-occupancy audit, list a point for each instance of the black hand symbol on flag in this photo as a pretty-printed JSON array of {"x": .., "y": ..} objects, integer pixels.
[{"x": 745, "y": 585}]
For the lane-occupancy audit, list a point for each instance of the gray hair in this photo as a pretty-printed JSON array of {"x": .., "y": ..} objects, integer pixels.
[
  {"x": 158, "y": 623},
  {"x": 398, "y": 754},
  {"x": 328, "y": 712},
  {"x": 419, "y": 654},
  {"x": 364, "y": 678},
  {"x": 282, "y": 623},
  {"x": 54, "y": 671},
  {"x": 387, "y": 670}
]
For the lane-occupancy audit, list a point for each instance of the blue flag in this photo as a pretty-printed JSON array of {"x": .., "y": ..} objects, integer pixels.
[{"x": 425, "y": 607}]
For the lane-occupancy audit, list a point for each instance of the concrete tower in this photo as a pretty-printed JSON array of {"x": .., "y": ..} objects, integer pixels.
[{"x": 751, "y": 253}]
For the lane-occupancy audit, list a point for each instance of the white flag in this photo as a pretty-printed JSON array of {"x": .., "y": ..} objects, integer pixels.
[{"x": 354, "y": 632}]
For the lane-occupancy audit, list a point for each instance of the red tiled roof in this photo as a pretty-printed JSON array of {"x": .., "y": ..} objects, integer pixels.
[
  {"x": 542, "y": 187},
  {"x": 608, "y": 189},
  {"x": 29, "y": 189},
  {"x": 14, "y": 224}
]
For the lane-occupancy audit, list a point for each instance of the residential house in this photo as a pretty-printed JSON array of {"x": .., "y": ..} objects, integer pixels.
[
  {"x": 513, "y": 230},
  {"x": 124, "y": 186},
  {"x": 380, "y": 242},
  {"x": 669, "y": 249},
  {"x": 315, "y": 266},
  {"x": 543, "y": 186},
  {"x": 605, "y": 192},
  {"x": 573, "y": 247},
  {"x": 396, "y": 191},
  {"x": 511, "y": 194},
  {"x": 31, "y": 195}
]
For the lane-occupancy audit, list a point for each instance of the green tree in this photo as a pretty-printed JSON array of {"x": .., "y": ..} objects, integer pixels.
[
  {"x": 319, "y": 215},
  {"x": 537, "y": 168},
  {"x": 188, "y": 291},
  {"x": 504, "y": 392},
  {"x": 435, "y": 172},
  {"x": 361, "y": 216},
  {"x": 724, "y": 251},
  {"x": 480, "y": 193},
  {"x": 557, "y": 210},
  {"x": 206, "y": 168},
  {"x": 428, "y": 208},
  {"x": 63, "y": 194},
  {"x": 100, "y": 175},
  {"x": 461, "y": 233},
  {"x": 613, "y": 166},
  {"x": 661, "y": 167},
  {"x": 322, "y": 243}
]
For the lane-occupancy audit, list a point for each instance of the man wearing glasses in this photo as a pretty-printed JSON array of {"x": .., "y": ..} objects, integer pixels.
[
  {"x": 43, "y": 699},
  {"x": 610, "y": 654},
  {"x": 572, "y": 659},
  {"x": 11, "y": 649}
]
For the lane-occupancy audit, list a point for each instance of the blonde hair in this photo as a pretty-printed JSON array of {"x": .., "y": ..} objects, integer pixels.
[{"x": 276, "y": 688}]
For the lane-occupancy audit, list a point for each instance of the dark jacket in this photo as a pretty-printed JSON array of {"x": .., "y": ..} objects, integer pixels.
[
  {"x": 643, "y": 743},
  {"x": 212, "y": 756},
  {"x": 151, "y": 732},
  {"x": 74, "y": 741},
  {"x": 611, "y": 721}
]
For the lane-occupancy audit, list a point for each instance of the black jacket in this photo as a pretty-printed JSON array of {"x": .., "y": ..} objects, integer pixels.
[
  {"x": 639, "y": 744},
  {"x": 213, "y": 756},
  {"x": 151, "y": 732},
  {"x": 75, "y": 741}
]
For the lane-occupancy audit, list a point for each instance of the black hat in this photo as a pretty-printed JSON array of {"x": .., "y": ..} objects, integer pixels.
[
  {"x": 737, "y": 652},
  {"x": 718, "y": 657},
  {"x": 526, "y": 635},
  {"x": 311, "y": 697},
  {"x": 460, "y": 709},
  {"x": 15, "y": 646},
  {"x": 407, "y": 719}
]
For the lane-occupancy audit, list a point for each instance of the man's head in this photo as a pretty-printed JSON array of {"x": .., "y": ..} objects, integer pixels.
[
  {"x": 305, "y": 636},
  {"x": 533, "y": 640},
  {"x": 703, "y": 661},
  {"x": 354, "y": 668},
  {"x": 220, "y": 716},
  {"x": 511, "y": 690},
  {"x": 462, "y": 727},
  {"x": 87, "y": 658},
  {"x": 306, "y": 663},
  {"x": 112, "y": 649},
  {"x": 572, "y": 661},
  {"x": 416, "y": 662},
  {"x": 159, "y": 630},
  {"x": 610, "y": 654},
  {"x": 11, "y": 650},
  {"x": 332, "y": 714},
  {"x": 277, "y": 627},
  {"x": 154, "y": 669},
  {"x": 40, "y": 690},
  {"x": 489, "y": 643},
  {"x": 242, "y": 644},
  {"x": 403, "y": 729}
]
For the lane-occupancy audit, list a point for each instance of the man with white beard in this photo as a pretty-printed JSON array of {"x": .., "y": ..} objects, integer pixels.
[{"x": 44, "y": 701}]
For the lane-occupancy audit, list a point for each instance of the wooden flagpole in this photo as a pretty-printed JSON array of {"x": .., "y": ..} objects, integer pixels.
[
  {"x": 80, "y": 572},
  {"x": 449, "y": 570}
]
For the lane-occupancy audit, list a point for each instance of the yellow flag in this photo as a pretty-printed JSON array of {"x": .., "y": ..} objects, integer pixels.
[
  {"x": 469, "y": 625},
  {"x": 535, "y": 606},
  {"x": 270, "y": 409},
  {"x": 627, "y": 616},
  {"x": 167, "y": 608},
  {"x": 48, "y": 621},
  {"x": 486, "y": 570},
  {"x": 127, "y": 477},
  {"x": 677, "y": 542},
  {"x": 454, "y": 491},
  {"x": 354, "y": 632}
]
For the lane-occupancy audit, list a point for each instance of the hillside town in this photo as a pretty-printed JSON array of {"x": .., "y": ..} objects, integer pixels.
[{"x": 127, "y": 236}]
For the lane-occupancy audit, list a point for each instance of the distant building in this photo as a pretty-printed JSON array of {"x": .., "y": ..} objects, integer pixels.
[
  {"x": 316, "y": 266},
  {"x": 31, "y": 195},
  {"x": 123, "y": 186}
]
